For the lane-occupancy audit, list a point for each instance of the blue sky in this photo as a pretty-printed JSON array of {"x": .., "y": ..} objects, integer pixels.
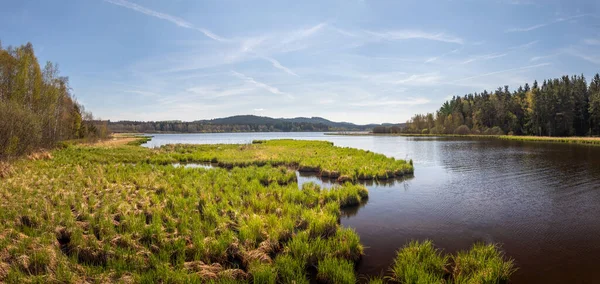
[{"x": 361, "y": 61}]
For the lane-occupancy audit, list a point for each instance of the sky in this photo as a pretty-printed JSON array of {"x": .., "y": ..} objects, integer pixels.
[{"x": 362, "y": 61}]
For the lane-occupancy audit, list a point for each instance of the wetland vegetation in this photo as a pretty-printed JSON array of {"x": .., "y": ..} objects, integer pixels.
[{"x": 124, "y": 213}]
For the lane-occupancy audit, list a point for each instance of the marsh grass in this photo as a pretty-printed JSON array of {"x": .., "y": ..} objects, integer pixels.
[
  {"x": 319, "y": 157},
  {"x": 126, "y": 214},
  {"x": 482, "y": 264},
  {"x": 421, "y": 262}
]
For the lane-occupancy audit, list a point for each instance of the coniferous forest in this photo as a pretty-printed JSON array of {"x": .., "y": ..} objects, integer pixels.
[
  {"x": 37, "y": 109},
  {"x": 565, "y": 106}
]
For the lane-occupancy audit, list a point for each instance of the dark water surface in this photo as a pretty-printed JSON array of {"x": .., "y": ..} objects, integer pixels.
[{"x": 540, "y": 201}]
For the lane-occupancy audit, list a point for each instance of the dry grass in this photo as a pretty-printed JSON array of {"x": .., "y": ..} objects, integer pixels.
[{"x": 5, "y": 169}]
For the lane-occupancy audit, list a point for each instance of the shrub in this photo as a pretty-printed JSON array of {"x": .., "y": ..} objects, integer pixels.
[
  {"x": 462, "y": 130},
  {"x": 496, "y": 131},
  {"x": 425, "y": 131}
]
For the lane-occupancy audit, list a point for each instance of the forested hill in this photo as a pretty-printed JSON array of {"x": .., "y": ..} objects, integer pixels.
[
  {"x": 566, "y": 106},
  {"x": 239, "y": 123}
]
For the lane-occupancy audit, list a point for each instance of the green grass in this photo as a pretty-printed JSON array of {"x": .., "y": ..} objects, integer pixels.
[
  {"x": 571, "y": 140},
  {"x": 595, "y": 141},
  {"x": 482, "y": 264},
  {"x": 125, "y": 213},
  {"x": 334, "y": 271},
  {"x": 421, "y": 262},
  {"x": 320, "y": 157}
]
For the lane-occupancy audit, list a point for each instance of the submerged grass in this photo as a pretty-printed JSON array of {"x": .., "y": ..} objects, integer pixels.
[{"x": 125, "y": 214}]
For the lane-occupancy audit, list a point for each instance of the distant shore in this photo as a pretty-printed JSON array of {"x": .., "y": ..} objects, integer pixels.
[{"x": 572, "y": 140}]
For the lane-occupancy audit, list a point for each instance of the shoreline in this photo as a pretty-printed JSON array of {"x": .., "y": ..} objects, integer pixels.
[{"x": 565, "y": 140}]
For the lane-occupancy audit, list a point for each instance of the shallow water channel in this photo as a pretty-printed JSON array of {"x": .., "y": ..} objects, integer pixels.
[{"x": 540, "y": 201}]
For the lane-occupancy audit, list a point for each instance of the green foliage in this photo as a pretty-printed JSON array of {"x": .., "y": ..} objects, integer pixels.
[
  {"x": 462, "y": 130},
  {"x": 564, "y": 106},
  {"x": 238, "y": 123},
  {"x": 37, "y": 109}
]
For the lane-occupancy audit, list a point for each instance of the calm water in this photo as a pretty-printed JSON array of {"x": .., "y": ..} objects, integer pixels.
[{"x": 540, "y": 201}]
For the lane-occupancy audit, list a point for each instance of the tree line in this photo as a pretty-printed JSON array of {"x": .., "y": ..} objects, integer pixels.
[
  {"x": 565, "y": 106},
  {"x": 203, "y": 127},
  {"x": 37, "y": 108}
]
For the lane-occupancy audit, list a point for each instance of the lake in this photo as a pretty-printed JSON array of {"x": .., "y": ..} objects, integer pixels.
[{"x": 540, "y": 201}]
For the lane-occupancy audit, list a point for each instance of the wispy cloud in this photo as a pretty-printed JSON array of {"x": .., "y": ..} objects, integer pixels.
[
  {"x": 524, "y": 46},
  {"x": 387, "y": 102},
  {"x": 432, "y": 59},
  {"x": 278, "y": 65},
  {"x": 502, "y": 71},
  {"x": 261, "y": 85},
  {"x": 420, "y": 79},
  {"x": 538, "y": 58},
  {"x": 415, "y": 34},
  {"x": 483, "y": 57},
  {"x": 592, "y": 41},
  {"x": 535, "y": 27},
  {"x": 175, "y": 20},
  {"x": 592, "y": 57}
]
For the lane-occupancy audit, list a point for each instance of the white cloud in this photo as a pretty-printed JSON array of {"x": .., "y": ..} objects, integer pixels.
[
  {"x": 502, "y": 71},
  {"x": 175, "y": 20},
  {"x": 386, "y": 102},
  {"x": 264, "y": 86},
  {"x": 592, "y": 41},
  {"x": 278, "y": 65},
  {"x": 415, "y": 34},
  {"x": 420, "y": 79},
  {"x": 535, "y": 27},
  {"x": 525, "y": 46},
  {"x": 484, "y": 57}
]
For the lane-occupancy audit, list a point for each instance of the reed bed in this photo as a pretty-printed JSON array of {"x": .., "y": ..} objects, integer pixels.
[
  {"x": 126, "y": 214},
  {"x": 421, "y": 262}
]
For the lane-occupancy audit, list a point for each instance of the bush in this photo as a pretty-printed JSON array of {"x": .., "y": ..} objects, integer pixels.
[
  {"x": 425, "y": 131},
  {"x": 20, "y": 130},
  {"x": 496, "y": 131},
  {"x": 462, "y": 130}
]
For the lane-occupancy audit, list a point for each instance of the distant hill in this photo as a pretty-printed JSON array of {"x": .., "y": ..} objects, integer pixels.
[{"x": 242, "y": 123}]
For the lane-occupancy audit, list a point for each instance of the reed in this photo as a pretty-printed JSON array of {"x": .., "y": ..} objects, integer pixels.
[{"x": 126, "y": 214}]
